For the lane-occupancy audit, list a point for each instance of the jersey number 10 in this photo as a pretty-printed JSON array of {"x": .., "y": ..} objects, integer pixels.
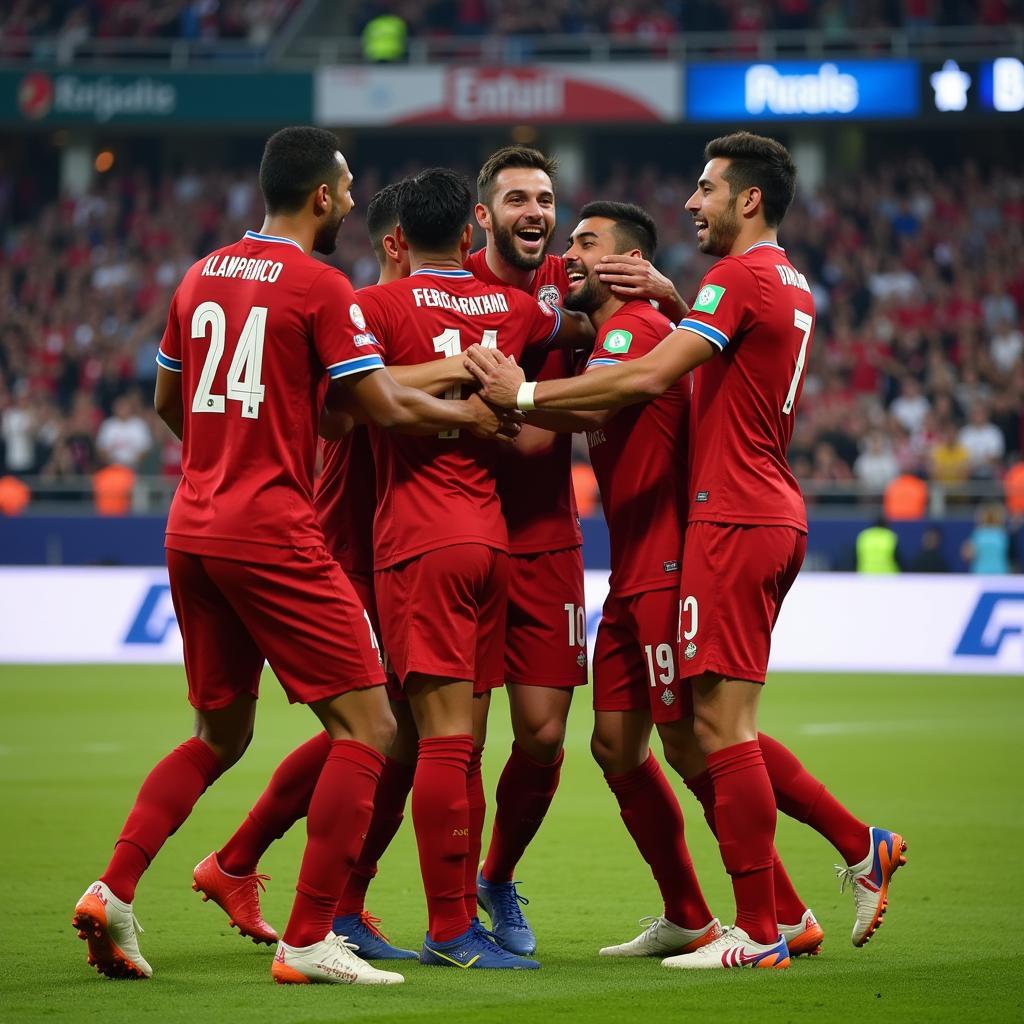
[{"x": 246, "y": 362}]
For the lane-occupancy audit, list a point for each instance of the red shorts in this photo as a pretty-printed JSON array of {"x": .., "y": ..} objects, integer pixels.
[
  {"x": 300, "y": 614},
  {"x": 362, "y": 584},
  {"x": 443, "y": 614},
  {"x": 635, "y": 666},
  {"x": 546, "y": 639},
  {"x": 735, "y": 579}
]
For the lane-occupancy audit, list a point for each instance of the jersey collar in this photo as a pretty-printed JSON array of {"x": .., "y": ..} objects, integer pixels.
[
  {"x": 440, "y": 273},
  {"x": 257, "y": 237},
  {"x": 761, "y": 245}
]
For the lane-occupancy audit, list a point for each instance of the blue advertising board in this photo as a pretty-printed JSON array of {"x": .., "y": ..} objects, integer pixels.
[{"x": 802, "y": 90}]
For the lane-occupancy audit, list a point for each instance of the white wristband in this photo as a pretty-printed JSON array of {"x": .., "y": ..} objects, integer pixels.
[{"x": 524, "y": 396}]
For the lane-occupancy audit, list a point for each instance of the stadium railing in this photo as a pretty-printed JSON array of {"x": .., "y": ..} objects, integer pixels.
[
  {"x": 314, "y": 50},
  {"x": 152, "y": 494}
]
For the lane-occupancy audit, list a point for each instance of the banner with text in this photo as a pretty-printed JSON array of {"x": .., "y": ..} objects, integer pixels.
[
  {"x": 606, "y": 93},
  {"x": 831, "y": 622}
]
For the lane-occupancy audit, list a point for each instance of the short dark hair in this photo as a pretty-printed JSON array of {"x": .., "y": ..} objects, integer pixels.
[
  {"x": 511, "y": 156},
  {"x": 382, "y": 216},
  {"x": 634, "y": 226},
  {"x": 295, "y": 162},
  {"x": 434, "y": 208},
  {"x": 757, "y": 160}
]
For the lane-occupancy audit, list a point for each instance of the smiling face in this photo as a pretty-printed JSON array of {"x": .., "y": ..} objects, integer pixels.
[
  {"x": 341, "y": 203},
  {"x": 520, "y": 215},
  {"x": 593, "y": 238},
  {"x": 715, "y": 210}
]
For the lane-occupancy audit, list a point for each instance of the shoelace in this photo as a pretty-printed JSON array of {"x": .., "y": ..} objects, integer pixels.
[
  {"x": 509, "y": 899},
  {"x": 861, "y": 896},
  {"x": 346, "y": 950},
  {"x": 650, "y": 925},
  {"x": 370, "y": 923},
  {"x": 485, "y": 933},
  {"x": 252, "y": 883}
]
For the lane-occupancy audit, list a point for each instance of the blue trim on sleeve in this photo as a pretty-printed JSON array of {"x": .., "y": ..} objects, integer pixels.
[
  {"x": 558, "y": 323},
  {"x": 600, "y": 361},
  {"x": 164, "y": 360},
  {"x": 712, "y": 334},
  {"x": 358, "y": 365}
]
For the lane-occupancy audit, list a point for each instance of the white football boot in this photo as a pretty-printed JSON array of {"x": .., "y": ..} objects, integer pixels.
[
  {"x": 663, "y": 938},
  {"x": 331, "y": 961},
  {"x": 109, "y": 927}
]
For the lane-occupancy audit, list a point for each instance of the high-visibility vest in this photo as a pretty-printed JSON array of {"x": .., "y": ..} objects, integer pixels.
[
  {"x": 876, "y": 551},
  {"x": 384, "y": 38},
  {"x": 906, "y": 497}
]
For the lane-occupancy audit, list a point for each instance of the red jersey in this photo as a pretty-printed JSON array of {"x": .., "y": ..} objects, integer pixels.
[
  {"x": 639, "y": 458},
  {"x": 758, "y": 311},
  {"x": 433, "y": 492},
  {"x": 346, "y": 500},
  {"x": 536, "y": 488},
  {"x": 252, "y": 329}
]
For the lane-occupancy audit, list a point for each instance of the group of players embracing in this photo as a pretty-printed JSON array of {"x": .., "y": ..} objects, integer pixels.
[{"x": 444, "y": 523}]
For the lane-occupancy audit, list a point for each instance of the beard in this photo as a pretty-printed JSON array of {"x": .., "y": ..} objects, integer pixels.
[
  {"x": 590, "y": 295},
  {"x": 722, "y": 234},
  {"x": 326, "y": 239},
  {"x": 505, "y": 243}
]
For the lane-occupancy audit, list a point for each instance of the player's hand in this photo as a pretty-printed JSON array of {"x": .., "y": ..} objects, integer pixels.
[
  {"x": 494, "y": 422},
  {"x": 633, "y": 277},
  {"x": 499, "y": 376}
]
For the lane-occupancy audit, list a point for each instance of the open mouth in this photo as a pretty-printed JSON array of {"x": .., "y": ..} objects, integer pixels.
[
  {"x": 576, "y": 277},
  {"x": 700, "y": 225},
  {"x": 531, "y": 237}
]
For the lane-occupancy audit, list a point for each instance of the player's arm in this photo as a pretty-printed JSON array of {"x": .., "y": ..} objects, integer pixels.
[
  {"x": 392, "y": 406},
  {"x": 605, "y": 387},
  {"x": 569, "y": 422},
  {"x": 574, "y": 330},
  {"x": 435, "y": 377},
  {"x": 168, "y": 401},
  {"x": 633, "y": 277}
]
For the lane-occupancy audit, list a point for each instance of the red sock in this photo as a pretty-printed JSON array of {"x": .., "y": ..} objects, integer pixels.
[
  {"x": 524, "y": 794},
  {"x": 339, "y": 815},
  {"x": 788, "y": 904},
  {"x": 652, "y": 816},
  {"x": 745, "y": 820},
  {"x": 800, "y": 795},
  {"x": 165, "y": 800},
  {"x": 388, "y": 811},
  {"x": 282, "y": 803},
  {"x": 477, "y": 812},
  {"x": 440, "y": 815}
]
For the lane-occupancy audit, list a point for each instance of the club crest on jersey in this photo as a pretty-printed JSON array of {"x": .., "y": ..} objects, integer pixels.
[
  {"x": 581, "y": 659},
  {"x": 356, "y": 316},
  {"x": 668, "y": 698},
  {"x": 691, "y": 651},
  {"x": 549, "y": 294},
  {"x": 618, "y": 341},
  {"x": 708, "y": 298}
]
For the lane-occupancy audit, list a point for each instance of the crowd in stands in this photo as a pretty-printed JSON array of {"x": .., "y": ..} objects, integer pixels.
[
  {"x": 916, "y": 371},
  {"x": 72, "y": 22}
]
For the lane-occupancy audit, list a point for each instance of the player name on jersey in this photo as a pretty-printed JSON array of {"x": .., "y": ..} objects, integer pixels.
[
  {"x": 471, "y": 305},
  {"x": 792, "y": 277},
  {"x": 243, "y": 268}
]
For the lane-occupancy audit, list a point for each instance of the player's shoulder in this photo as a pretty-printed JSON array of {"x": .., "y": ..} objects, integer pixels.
[
  {"x": 639, "y": 315},
  {"x": 551, "y": 282}
]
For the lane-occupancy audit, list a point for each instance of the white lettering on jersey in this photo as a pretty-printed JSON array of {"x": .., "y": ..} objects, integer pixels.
[{"x": 791, "y": 277}]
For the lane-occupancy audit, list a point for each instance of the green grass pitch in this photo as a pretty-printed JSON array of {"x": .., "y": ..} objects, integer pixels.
[{"x": 939, "y": 759}]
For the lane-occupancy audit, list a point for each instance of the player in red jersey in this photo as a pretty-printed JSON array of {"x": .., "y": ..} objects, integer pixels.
[
  {"x": 346, "y": 501},
  {"x": 441, "y": 547},
  {"x": 746, "y": 530},
  {"x": 546, "y": 630},
  {"x": 246, "y": 558}
]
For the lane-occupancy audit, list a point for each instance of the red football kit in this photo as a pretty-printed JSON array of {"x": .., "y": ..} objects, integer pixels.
[
  {"x": 543, "y": 646},
  {"x": 639, "y": 458},
  {"x": 252, "y": 329},
  {"x": 438, "y": 492},
  {"x": 747, "y": 525}
]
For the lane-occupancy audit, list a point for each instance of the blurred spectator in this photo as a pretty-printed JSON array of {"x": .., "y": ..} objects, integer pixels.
[
  {"x": 950, "y": 461},
  {"x": 1013, "y": 486},
  {"x": 384, "y": 36},
  {"x": 124, "y": 437},
  {"x": 112, "y": 489},
  {"x": 930, "y": 557},
  {"x": 987, "y": 550},
  {"x": 984, "y": 442},
  {"x": 905, "y": 498},
  {"x": 912, "y": 406},
  {"x": 876, "y": 465},
  {"x": 877, "y": 550},
  {"x": 14, "y": 496}
]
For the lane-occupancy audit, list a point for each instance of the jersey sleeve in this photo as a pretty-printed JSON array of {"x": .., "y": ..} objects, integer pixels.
[
  {"x": 168, "y": 355},
  {"x": 540, "y": 321},
  {"x": 344, "y": 343},
  {"x": 622, "y": 338},
  {"x": 727, "y": 302}
]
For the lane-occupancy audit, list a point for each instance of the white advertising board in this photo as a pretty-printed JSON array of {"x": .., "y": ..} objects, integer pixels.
[{"x": 831, "y": 622}]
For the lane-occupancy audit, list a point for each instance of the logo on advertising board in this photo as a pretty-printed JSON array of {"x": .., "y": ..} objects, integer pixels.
[
  {"x": 997, "y": 616},
  {"x": 484, "y": 94},
  {"x": 35, "y": 95},
  {"x": 155, "y": 617},
  {"x": 102, "y": 98}
]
